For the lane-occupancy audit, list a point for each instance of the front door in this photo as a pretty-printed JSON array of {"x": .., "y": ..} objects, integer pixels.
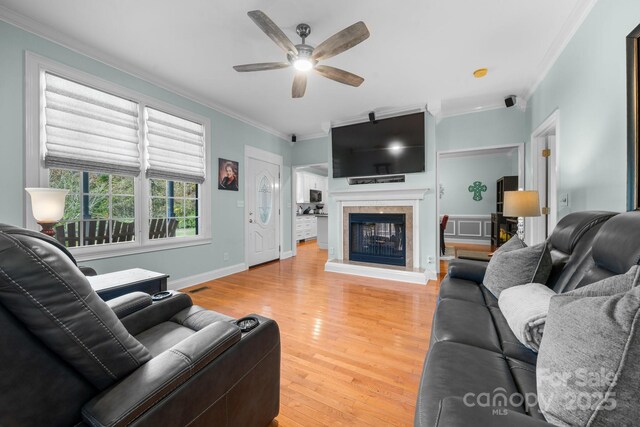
[{"x": 263, "y": 211}]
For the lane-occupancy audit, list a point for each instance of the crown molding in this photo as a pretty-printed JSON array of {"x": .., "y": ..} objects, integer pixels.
[
  {"x": 382, "y": 113},
  {"x": 46, "y": 32},
  {"x": 568, "y": 30},
  {"x": 309, "y": 136},
  {"x": 463, "y": 111}
]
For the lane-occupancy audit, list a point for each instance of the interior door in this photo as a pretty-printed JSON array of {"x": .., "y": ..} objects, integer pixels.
[{"x": 263, "y": 211}]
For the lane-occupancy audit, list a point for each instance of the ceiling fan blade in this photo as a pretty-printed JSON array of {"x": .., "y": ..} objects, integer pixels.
[
  {"x": 341, "y": 41},
  {"x": 339, "y": 75},
  {"x": 272, "y": 30},
  {"x": 299, "y": 85},
  {"x": 262, "y": 66}
]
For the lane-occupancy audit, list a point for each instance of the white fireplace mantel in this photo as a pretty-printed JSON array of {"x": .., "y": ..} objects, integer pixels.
[
  {"x": 409, "y": 197},
  {"x": 377, "y": 194}
]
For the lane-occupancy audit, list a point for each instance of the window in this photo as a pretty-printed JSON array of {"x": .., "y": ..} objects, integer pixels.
[
  {"x": 99, "y": 209},
  {"x": 173, "y": 209},
  {"x": 134, "y": 166}
]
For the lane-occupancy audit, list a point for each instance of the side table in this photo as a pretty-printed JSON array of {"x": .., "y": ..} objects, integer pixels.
[{"x": 112, "y": 285}]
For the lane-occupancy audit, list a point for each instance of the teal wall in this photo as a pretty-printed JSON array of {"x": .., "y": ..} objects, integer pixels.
[
  {"x": 311, "y": 151},
  {"x": 503, "y": 126},
  {"x": 228, "y": 139},
  {"x": 458, "y": 173},
  {"x": 587, "y": 84}
]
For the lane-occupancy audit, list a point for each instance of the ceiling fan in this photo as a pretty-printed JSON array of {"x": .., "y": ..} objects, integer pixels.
[{"x": 304, "y": 57}]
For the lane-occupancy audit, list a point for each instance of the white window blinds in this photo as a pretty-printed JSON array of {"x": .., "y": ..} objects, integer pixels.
[
  {"x": 175, "y": 147},
  {"x": 89, "y": 130}
]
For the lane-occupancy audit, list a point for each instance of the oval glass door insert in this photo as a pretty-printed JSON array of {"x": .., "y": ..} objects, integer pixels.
[{"x": 264, "y": 199}]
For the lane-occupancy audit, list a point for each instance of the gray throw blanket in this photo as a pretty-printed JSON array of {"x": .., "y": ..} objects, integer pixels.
[{"x": 525, "y": 307}]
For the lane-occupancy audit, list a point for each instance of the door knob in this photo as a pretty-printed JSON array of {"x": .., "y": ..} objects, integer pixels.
[{"x": 250, "y": 221}]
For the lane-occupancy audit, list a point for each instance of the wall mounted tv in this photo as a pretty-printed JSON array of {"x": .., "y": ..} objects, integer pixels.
[{"x": 390, "y": 146}]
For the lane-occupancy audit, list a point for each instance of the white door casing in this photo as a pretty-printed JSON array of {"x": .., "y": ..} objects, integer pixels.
[{"x": 545, "y": 178}]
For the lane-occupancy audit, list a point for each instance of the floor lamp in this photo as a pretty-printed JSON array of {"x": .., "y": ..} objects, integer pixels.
[{"x": 521, "y": 204}]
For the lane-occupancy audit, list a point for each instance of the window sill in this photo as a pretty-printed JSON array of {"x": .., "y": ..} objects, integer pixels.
[{"x": 90, "y": 253}]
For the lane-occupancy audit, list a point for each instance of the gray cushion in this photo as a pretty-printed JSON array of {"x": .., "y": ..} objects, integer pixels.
[
  {"x": 518, "y": 267},
  {"x": 592, "y": 337},
  {"x": 512, "y": 244}
]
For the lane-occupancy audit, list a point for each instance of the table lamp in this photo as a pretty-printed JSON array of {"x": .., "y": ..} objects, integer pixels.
[
  {"x": 47, "y": 206},
  {"x": 521, "y": 204}
]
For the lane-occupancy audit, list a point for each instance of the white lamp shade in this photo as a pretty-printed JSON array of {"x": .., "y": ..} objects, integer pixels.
[
  {"x": 47, "y": 204},
  {"x": 521, "y": 203}
]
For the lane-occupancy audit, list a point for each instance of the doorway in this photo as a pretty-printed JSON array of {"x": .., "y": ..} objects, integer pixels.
[
  {"x": 467, "y": 194},
  {"x": 544, "y": 155},
  {"x": 263, "y": 222},
  {"x": 310, "y": 194}
]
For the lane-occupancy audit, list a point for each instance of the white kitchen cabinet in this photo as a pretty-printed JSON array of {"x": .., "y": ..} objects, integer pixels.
[
  {"x": 324, "y": 187},
  {"x": 306, "y": 227},
  {"x": 309, "y": 181},
  {"x": 300, "y": 188}
]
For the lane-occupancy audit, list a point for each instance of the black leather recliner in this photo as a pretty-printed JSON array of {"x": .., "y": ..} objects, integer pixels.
[
  {"x": 472, "y": 348},
  {"x": 68, "y": 358}
]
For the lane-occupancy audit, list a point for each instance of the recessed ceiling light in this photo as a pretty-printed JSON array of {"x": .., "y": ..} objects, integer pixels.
[{"x": 480, "y": 72}]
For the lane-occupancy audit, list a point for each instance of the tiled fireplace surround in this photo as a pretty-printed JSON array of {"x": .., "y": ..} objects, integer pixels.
[
  {"x": 380, "y": 201},
  {"x": 407, "y": 210}
]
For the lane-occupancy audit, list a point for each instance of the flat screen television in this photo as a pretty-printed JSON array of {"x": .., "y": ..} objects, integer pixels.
[{"x": 390, "y": 146}]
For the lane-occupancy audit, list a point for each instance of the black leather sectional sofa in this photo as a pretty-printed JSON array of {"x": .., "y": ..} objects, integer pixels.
[
  {"x": 474, "y": 357},
  {"x": 68, "y": 358}
]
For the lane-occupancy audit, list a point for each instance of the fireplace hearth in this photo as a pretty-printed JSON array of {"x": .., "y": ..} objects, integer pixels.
[{"x": 378, "y": 238}]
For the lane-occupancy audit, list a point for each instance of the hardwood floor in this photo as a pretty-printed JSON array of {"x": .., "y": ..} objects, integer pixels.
[
  {"x": 352, "y": 347},
  {"x": 444, "y": 264}
]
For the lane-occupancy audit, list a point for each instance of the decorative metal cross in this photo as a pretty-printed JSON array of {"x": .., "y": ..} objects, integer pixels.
[{"x": 477, "y": 188}]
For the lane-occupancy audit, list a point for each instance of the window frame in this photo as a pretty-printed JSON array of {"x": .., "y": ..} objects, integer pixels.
[{"x": 36, "y": 175}]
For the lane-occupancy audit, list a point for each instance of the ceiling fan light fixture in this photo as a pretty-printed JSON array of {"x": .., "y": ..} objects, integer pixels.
[
  {"x": 303, "y": 64},
  {"x": 304, "y": 57}
]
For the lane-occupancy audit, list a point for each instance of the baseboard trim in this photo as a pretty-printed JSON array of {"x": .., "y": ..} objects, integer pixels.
[
  {"x": 287, "y": 254},
  {"x": 323, "y": 245},
  {"x": 196, "y": 279},
  {"x": 415, "y": 277}
]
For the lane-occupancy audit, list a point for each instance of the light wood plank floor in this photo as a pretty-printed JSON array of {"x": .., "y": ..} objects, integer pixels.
[{"x": 352, "y": 347}]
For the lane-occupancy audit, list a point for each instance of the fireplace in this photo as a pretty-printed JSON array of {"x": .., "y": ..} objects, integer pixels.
[
  {"x": 403, "y": 228},
  {"x": 378, "y": 238}
]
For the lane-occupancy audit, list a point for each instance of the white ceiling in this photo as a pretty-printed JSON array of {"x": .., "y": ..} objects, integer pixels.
[{"x": 420, "y": 51}]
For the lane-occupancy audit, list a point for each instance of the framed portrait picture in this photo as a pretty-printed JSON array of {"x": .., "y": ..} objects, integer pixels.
[{"x": 227, "y": 175}]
